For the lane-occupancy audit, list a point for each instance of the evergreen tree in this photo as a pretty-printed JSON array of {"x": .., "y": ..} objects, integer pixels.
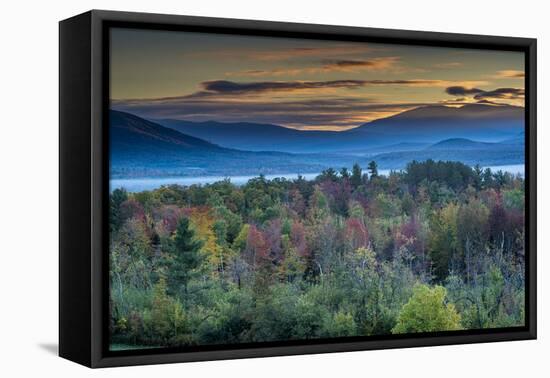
[
  {"x": 187, "y": 257},
  {"x": 356, "y": 174},
  {"x": 478, "y": 177},
  {"x": 373, "y": 169},
  {"x": 344, "y": 172},
  {"x": 328, "y": 174},
  {"x": 487, "y": 178},
  {"x": 116, "y": 199}
]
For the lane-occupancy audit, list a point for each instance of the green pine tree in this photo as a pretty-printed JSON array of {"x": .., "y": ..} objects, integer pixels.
[
  {"x": 356, "y": 175},
  {"x": 187, "y": 258},
  {"x": 115, "y": 200},
  {"x": 373, "y": 169}
]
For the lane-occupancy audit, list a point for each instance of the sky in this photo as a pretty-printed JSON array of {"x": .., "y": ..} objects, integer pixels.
[{"x": 299, "y": 83}]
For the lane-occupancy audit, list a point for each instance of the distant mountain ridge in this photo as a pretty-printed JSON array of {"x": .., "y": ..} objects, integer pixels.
[
  {"x": 437, "y": 122},
  {"x": 426, "y": 125},
  {"x": 457, "y": 149},
  {"x": 251, "y": 136},
  {"x": 467, "y": 111},
  {"x": 130, "y": 131},
  {"x": 518, "y": 139},
  {"x": 463, "y": 144},
  {"x": 142, "y": 148}
]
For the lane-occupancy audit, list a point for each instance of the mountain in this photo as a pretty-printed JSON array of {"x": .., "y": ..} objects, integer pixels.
[
  {"x": 422, "y": 125},
  {"x": 129, "y": 133},
  {"x": 251, "y": 136},
  {"x": 463, "y": 144},
  {"x": 141, "y": 148},
  {"x": 518, "y": 139},
  {"x": 457, "y": 149},
  {"x": 403, "y": 146},
  {"x": 432, "y": 123}
]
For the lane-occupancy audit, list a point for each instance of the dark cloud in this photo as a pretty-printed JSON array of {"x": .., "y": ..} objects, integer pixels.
[
  {"x": 230, "y": 87},
  {"x": 462, "y": 91},
  {"x": 351, "y": 64},
  {"x": 502, "y": 93},
  {"x": 479, "y": 94},
  {"x": 225, "y": 86}
]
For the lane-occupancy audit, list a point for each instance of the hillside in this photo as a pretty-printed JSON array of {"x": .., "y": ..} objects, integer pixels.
[
  {"x": 423, "y": 125},
  {"x": 141, "y": 148},
  {"x": 463, "y": 144},
  {"x": 457, "y": 149},
  {"x": 432, "y": 123},
  {"x": 131, "y": 133},
  {"x": 252, "y": 136}
]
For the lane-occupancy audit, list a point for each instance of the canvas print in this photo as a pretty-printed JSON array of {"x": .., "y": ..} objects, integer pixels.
[{"x": 277, "y": 190}]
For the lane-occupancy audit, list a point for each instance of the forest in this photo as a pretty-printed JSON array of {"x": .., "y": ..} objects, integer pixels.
[{"x": 438, "y": 246}]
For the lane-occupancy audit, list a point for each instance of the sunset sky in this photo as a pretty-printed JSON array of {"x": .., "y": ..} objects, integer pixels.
[{"x": 297, "y": 83}]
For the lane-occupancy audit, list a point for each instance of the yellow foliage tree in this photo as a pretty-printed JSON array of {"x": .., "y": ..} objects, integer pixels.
[{"x": 203, "y": 221}]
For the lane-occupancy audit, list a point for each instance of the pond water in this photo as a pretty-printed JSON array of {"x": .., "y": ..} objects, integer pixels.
[{"x": 150, "y": 183}]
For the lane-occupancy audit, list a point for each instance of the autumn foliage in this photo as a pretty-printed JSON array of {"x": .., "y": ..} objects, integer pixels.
[{"x": 439, "y": 246}]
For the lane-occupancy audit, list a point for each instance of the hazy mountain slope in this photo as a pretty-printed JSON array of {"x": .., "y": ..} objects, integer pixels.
[
  {"x": 464, "y": 150},
  {"x": 518, "y": 139},
  {"x": 251, "y": 136},
  {"x": 131, "y": 133},
  {"x": 432, "y": 123},
  {"x": 463, "y": 144},
  {"x": 422, "y": 125},
  {"x": 141, "y": 148}
]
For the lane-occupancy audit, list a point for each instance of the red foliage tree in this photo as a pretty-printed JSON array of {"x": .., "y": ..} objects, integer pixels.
[
  {"x": 131, "y": 209},
  {"x": 339, "y": 194},
  {"x": 410, "y": 233},
  {"x": 272, "y": 237},
  {"x": 297, "y": 202},
  {"x": 257, "y": 249},
  {"x": 298, "y": 239},
  {"x": 170, "y": 216},
  {"x": 356, "y": 233}
]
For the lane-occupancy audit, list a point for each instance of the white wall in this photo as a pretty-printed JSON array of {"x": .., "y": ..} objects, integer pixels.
[{"x": 29, "y": 215}]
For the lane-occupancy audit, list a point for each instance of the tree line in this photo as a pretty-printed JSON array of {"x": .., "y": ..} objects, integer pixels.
[{"x": 438, "y": 246}]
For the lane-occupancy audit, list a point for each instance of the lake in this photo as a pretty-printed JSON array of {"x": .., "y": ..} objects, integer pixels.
[{"x": 150, "y": 183}]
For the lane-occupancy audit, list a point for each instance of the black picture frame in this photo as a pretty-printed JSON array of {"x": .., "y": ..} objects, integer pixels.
[{"x": 83, "y": 181}]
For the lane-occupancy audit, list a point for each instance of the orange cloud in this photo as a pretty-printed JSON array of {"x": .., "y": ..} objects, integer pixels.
[
  {"x": 374, "y": 64},
  {"x": 341, "y": 65},
  {"x": 448, "y": 65},
  {"x": 296, "y": 52},
  {"x": 283, "y": 54},
  {"x": 273, "y": 72},
  {"x": 509, "y": 74}
]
